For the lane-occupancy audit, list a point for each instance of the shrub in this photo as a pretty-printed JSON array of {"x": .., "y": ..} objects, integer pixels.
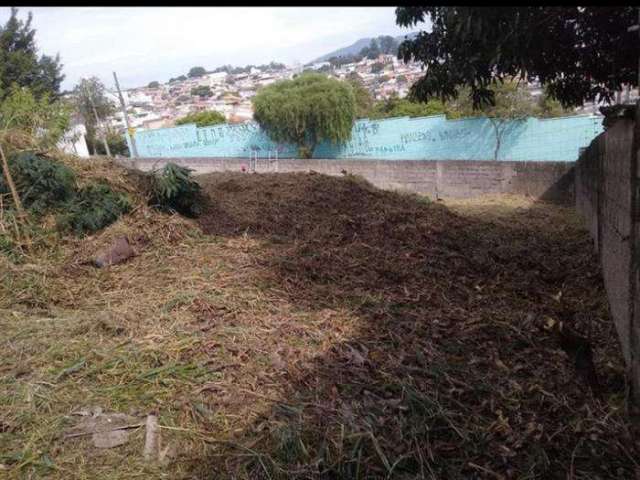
[
  {"x": 46, "y": 186},
  {"x": 173, "y": 189},
  {"x": 42, "y": 183},
  {"x": 202, "y": 119},
  {"x": 92, "y": 208}
]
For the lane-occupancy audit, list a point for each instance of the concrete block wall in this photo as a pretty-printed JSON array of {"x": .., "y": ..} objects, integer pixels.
[
  {"x": 438, "y": 179},
  {"x": 606, "y": 195}
]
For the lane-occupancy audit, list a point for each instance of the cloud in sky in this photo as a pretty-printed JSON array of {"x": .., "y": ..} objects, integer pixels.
[{"x": 143, "y": 44}]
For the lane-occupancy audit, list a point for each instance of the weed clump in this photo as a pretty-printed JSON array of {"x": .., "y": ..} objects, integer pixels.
[
  {"x": 42, "y": 184},
  {"x": 93, "y": 208},
  {"x": 173, "y": 189},
  {"x": 46, "y": 187}
]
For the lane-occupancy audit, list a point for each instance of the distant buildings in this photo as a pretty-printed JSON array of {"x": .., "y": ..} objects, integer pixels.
[{"x": 230, "y": 94}]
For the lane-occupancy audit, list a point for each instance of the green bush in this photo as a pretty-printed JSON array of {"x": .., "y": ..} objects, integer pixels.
[
  {"x": 42, "y": 183},
  {"x": 203, "y": 119},
  {"x": 92, "y": 208},
  {"x": 173, "y": 189},
  {"x": 46, "y": 186}
]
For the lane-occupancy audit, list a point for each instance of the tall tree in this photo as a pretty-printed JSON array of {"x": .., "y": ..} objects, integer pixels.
[
  {"x": 306, "y": 110},
  {"x": 44, "y": 122},
  {"x": 579, "y": 53},
  {"x": 372, "y": 51},
  {"x": 20, "y": 64},
  {"x": 196, "y": 72},
  {"x": 512, "y": 104},
  {"x": 364, "y": 101},
  {"x": 92, "y": 104},
  {"x": 388, "y": 44}
]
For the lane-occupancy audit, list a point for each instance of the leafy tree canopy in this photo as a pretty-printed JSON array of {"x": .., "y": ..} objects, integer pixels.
[
  {"x": 20, "y": 63},
  {"x": 364, "y": 101},
  {"x": 512, "y": 103},
  {"x": 306, "y": 110},
  {"x": 402, "y": 107},
  {"x": 196, "y": 72},
  {"x": 201, "y": 91},
  {"x": 372, "y": 51},
  {"x": 44, "y": 122},
  {"x": 154, "y": 84},
  {"x": 87, "y": 94},
  {"x": 579, "y": 53},
  {"x": 117, "y": 145},
  {"x": 202, "y": 119}
]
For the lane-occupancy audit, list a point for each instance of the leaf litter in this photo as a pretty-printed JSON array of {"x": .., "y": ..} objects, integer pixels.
[{"x": 317, "y": 327}]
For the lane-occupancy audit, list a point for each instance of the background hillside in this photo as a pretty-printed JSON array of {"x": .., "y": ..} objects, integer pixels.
[{"x": 355, "y": 47}]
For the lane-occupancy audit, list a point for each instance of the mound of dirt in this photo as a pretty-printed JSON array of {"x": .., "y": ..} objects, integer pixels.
[
  {"x": 452, "y": 311},
  {"x": 307, "y": 206}
]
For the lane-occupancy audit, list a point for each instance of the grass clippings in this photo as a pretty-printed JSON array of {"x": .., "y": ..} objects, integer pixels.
[{"x": 316, "y": 327}]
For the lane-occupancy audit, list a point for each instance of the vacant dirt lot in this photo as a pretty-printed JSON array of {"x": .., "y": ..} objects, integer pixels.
[{"x": 316, "y": 327}]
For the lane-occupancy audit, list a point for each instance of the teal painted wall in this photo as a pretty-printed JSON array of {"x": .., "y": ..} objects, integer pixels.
[{"x": 403, "y": 138}]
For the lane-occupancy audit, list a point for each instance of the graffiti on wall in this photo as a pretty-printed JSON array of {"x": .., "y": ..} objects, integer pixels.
[{"x": 403, "y": 138}]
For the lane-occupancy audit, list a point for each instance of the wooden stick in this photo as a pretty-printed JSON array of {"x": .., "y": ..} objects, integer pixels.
[
  {"x": 152, "y": 439},
  {"x": 14, "y": 193}
]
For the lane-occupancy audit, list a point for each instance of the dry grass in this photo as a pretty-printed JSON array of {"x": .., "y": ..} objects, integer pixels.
[{"x": 321, "y": 329}]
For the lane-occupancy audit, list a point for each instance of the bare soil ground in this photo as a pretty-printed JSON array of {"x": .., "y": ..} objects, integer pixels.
[{"x": 316, "y": 327}]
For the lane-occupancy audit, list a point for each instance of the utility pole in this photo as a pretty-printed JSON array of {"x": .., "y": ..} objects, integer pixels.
[{"x": 134, "y": 152}]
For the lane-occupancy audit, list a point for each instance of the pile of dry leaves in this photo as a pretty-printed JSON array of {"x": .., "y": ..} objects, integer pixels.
[{"x": 453, "y": 372}]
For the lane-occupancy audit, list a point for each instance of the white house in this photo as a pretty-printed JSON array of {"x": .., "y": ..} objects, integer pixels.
[{"x": 74, "y": 141}]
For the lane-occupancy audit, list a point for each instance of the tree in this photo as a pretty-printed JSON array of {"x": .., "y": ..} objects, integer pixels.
[
  {"x": 512, "y": 103},
  {"x": 372, "y": 51},
  {"x": 201, "y": 91},
  {"x": 43, "y": 121},
  {"x": 306, "y": 110},
  {"x": 402, "y": 107},
  {"x": 117, "y": 145},
  {"x": 153, "y": 84},
  {"x": 364, "y": 102},
  {"x": 20, "y": 64},
  {"x": 377, "y": 67},
  {"x": 202, "y": 119},
  {"x": 196, "y": 72},
  {"x": 344, "y": 60},
  {"x": 579, "y": 53},
  {"x": 181, "y": 78},
  {"x": 388, "y": 45},
  {"x": 93, "y": 106},
  {"x": 550, "y": 107}
]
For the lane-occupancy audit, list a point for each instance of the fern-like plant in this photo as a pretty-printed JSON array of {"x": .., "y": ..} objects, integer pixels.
[
  {"x": 42, "y": 183},
  {"x": 92, "y": 208},
  {"x": 173, "y": 189}
]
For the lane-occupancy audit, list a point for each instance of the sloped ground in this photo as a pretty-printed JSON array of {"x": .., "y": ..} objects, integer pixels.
[{"x": 316, "y": 327}]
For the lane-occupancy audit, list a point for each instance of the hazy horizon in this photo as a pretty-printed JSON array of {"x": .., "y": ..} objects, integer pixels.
[{"x": 143, "y": 44}]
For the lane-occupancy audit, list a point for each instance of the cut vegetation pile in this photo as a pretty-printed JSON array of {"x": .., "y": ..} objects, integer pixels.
[
  {"x": 452, "y": 371},
  {"x": 315, "y": 327}
]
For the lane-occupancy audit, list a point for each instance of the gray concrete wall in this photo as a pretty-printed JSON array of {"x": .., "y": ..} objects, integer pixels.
[
  {"x": 606, "y": 195},
  {"x": 438, "y": 179}
]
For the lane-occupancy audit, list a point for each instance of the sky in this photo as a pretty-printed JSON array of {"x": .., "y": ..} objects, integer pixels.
[{"x": 143, "y": 44}]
